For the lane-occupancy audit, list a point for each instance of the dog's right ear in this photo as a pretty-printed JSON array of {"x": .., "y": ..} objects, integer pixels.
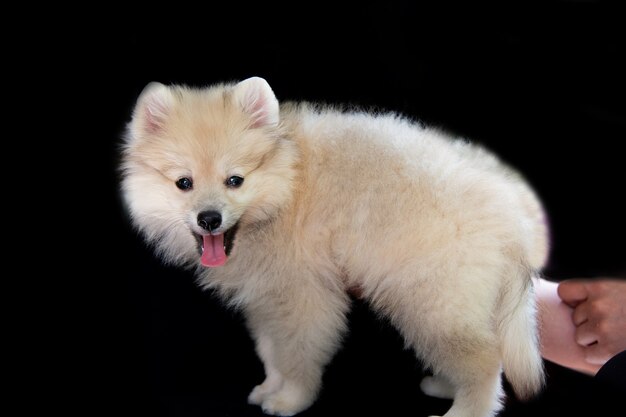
[{"x": 152, "y": 109}]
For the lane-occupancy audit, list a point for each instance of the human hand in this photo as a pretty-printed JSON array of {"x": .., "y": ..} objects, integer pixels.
[
  {"x": 599, "y": 315},
  {"x": 557, "y": 330}
]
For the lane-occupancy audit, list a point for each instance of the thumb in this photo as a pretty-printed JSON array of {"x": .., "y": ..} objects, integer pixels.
[{"x": 572, "y": 292}]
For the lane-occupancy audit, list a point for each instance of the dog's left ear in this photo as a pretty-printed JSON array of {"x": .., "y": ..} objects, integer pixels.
[{"x": 256, "y": 98}]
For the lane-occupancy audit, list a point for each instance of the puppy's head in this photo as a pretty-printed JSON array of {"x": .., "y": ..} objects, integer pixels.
[{"x": 199, "y": 165}]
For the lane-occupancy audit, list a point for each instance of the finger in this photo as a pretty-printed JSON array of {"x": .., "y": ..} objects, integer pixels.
[
  {"x": 572, "y": 292},
  {"x": 580, "y": 314},
  {"x": 586, "y": 334},
  {"x": 597, "y": 354}
]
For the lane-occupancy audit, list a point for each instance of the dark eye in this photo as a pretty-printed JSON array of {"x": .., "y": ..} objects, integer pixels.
[
  {"x": 184, "y": 183},
  {"x": 234, "y": 181}
]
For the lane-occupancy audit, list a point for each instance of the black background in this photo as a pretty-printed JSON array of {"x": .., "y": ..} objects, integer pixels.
[{"x": 540, "y": 84}]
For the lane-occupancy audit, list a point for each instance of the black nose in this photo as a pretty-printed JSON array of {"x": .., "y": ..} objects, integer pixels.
[{"x": 209, "y": 220}]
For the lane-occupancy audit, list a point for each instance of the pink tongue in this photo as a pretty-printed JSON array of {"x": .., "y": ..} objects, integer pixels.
[{"x": 213, "y": 250}]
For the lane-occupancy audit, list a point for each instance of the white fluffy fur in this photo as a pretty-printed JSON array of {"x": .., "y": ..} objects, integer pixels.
[{"x": 436, "y": 233}]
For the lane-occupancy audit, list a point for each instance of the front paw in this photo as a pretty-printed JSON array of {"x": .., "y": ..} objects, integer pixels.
[
  {"x": 258, "y": 394},
  {"x": 287, "y": 401},
  {"x": 437, "y": 386},
  {"x": 272, "y": 383}
]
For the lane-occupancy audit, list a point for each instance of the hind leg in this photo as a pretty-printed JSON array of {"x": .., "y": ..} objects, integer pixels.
[
  {"x": 467, "y": 365},
  {"x": 477, "y": 392},
  {"x": 467, "y": 369},
  {"x": 449, "y": 323},
  {"x": 472, "y": 377}
]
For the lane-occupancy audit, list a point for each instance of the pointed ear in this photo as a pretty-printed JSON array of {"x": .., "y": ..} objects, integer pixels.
[
  {"x": 152, "y": 109},
  {"x": 256, "y": 98}
]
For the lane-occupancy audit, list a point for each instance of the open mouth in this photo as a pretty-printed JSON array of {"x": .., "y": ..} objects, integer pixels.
[{"x": 215, "y": 249}]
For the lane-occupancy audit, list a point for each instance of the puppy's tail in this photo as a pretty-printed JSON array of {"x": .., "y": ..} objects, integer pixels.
[{"x": 518, "y": 330}]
